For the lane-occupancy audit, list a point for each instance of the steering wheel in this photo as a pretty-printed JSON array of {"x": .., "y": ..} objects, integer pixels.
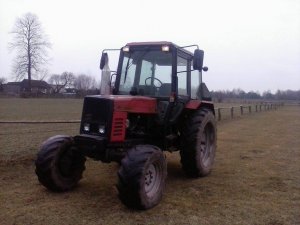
[{"x": 153, "y": 82}]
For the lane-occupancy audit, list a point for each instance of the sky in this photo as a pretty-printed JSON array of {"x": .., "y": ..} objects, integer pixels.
[{"x": 249, "y": 44}]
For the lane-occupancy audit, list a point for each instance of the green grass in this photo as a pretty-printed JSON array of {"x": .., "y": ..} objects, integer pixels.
[{"x": 255, "y": 179}]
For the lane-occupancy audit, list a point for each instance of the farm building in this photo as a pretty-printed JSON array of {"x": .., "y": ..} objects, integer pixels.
[{"x": 37, "y": 86}]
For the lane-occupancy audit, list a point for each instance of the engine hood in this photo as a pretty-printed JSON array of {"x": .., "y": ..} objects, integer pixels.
[{"x": 132, "y": 104}]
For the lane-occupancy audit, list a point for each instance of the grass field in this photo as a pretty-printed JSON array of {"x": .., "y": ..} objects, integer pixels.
[
  {"x": 40, "y": 109},
  {"x": 255, "y": 179}
]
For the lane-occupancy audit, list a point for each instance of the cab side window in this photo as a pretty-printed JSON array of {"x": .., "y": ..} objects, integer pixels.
[
  {"x": 195, "y": 82},
  {"x": 182, "y": 68}
]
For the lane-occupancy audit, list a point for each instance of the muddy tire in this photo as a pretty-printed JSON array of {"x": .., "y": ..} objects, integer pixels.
[
  {"x": 198, "y": 144},
  {"x": 142, "y": 177},
  {"x": 59, "y": 166}
]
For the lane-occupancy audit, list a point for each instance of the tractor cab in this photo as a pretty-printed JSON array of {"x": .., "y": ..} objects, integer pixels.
[{"x": 160, "y": 70}]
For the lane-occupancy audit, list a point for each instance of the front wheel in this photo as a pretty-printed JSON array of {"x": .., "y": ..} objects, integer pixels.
[
  {"x": 59, "y": 166},
  {"x": 142, "y": 177}
]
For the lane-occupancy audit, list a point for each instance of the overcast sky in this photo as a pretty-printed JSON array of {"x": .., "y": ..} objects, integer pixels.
[{"x": 250, "y": 44}]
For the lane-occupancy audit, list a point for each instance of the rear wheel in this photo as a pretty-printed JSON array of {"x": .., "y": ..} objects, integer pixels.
[
  {"x": 199, "y": 139},
  {"x": 59, "y": 166},
  {"x": 142, "y": 177}
]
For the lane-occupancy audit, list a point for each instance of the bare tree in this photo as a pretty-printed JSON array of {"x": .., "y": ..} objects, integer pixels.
[
  {"x": 84, "y": 82},
  {"x": 31, "y": 44},
  {"x": 2, "y": 81},
  {"x": 42, "y": 75},
  {"x": 66, "y": 79}
]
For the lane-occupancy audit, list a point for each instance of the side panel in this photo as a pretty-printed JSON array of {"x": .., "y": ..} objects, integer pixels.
[{"x": 118, "y": 128}]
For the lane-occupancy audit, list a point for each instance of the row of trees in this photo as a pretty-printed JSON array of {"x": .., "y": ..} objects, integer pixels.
[
  {"x": 80, "y": 82},
  {"x": 219, "y": 96}
]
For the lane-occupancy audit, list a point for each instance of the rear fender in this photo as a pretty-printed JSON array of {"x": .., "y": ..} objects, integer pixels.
[{"x": 197, "y": 104}]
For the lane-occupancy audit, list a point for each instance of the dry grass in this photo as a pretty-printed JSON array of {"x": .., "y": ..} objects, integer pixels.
[
  {"x": 255, "y": 180},
  {"x": 40, "y": 109},
  {"x": 21, "y": 141}
]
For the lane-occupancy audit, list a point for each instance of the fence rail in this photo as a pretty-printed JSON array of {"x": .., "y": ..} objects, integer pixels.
[
  {"x": 236, "y": 111},
  {"x": 222, "y": 112},
  {"x": 41, "y": 122}
]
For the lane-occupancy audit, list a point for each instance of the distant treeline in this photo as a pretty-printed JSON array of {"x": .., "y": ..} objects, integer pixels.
[{"x": 219, "y": 96}]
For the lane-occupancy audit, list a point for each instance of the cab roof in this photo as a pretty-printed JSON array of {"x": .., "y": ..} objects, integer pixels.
[
  {"x": 158, "y": 43},
  {"x": 150, "y": 43}
]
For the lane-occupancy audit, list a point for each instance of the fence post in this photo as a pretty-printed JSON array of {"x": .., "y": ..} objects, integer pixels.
[
  {"x": 255, "y": 108},
  {"x": 249, "y": 108},
  {"x": 260, "y": 107},
  {"x": 231, "y": 112},
  {"x": 242, "y": 110},
  {"x": 219, "y": 114}
]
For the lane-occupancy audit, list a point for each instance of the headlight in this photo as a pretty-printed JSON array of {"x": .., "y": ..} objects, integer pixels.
[
  {"x": 165, "y": 48},
  {"x": 86, "y": 127},
  {"x": 101, "y": 129},
  {"x": 126, "y": 49}
]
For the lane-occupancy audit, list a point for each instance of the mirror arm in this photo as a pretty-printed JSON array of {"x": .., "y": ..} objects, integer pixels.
[
  {"x": 110, "y": 49},
  {"x": 200, "y": 76}
]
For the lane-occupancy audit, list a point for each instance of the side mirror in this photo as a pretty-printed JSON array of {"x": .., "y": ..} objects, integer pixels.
[
  {"x": 104, "y": 59},
  {"x": 198, "y": 59}
]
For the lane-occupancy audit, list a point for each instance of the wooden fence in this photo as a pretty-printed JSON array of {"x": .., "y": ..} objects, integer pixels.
[{"x": 237, "y": 111}]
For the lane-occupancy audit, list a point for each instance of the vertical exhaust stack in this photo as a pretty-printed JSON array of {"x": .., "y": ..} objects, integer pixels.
[{"x": 105, "y": 75}]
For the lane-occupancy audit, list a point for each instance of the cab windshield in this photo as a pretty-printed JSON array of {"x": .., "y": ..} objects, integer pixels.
[{"x": 146, "y": 73}]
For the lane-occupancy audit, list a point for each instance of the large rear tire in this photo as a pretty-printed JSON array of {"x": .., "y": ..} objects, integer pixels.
[
  {"x": 59, "y": 166},
  {"x": 199, "y": 142},
  {"x": 142, "y": 177}
]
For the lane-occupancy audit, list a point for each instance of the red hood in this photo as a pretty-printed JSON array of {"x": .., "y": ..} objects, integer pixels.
[{"x": 133, "y": 104}]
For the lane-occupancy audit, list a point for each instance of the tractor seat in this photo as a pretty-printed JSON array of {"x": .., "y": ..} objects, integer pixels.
[
  {"x": 165, "y": 89},
  {"x": 142, "y": 90}
]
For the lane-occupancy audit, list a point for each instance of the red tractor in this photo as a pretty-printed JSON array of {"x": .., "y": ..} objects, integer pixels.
[{"x": 158, "y": 103}]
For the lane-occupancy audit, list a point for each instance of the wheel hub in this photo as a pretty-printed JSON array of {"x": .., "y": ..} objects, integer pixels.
[
  {"x": 150, "y": 180},
  {"x": 206, "y": 145}
]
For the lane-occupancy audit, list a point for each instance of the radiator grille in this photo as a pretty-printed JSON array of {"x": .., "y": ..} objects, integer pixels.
[{"x": 118, "y": 126}]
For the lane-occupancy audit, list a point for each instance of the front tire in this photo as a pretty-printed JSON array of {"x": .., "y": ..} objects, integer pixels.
[
  {"x": 199, "y": 138},
  {"x": 59, "y": 166},
  {"x": 142, "y": 177}
]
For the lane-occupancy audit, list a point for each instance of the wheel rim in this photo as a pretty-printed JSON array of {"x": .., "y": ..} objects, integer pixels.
[
  {"x": 153, "y": 177},
  {"x": 207, "y": 142}
]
